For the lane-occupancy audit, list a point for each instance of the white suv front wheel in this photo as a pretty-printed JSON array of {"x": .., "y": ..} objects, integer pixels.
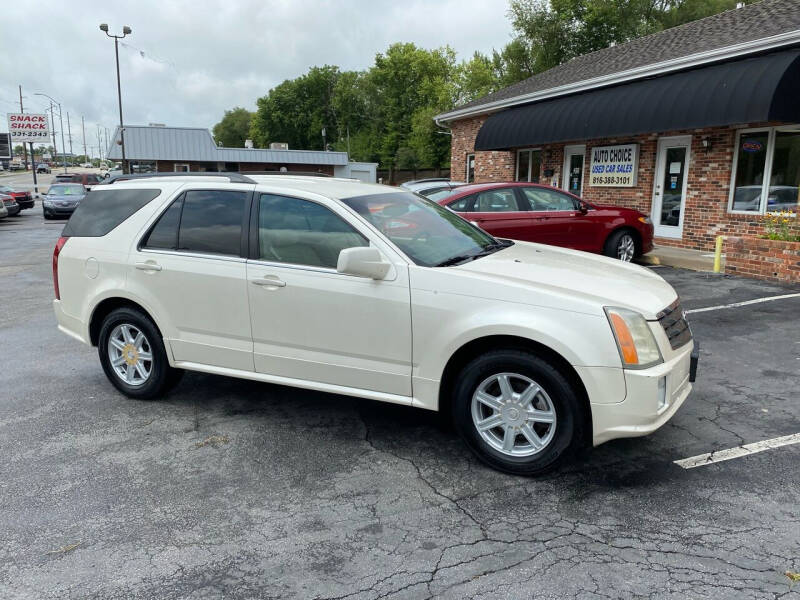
[
  {"x": 516, "y": 411},
  {"x": 133, "y": 355}
]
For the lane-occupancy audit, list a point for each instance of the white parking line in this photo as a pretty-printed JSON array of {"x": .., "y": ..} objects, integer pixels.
[
  {"x": 738, "y": 452},
  {"x": 745, "y": 303}
]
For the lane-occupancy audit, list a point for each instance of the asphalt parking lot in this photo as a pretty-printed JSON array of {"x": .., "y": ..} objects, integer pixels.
[{"x": 235, "y": 489}]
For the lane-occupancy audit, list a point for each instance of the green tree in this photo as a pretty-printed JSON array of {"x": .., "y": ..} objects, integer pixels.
[
  {"x": 404, "y": 80},
  {"x": 234, "y": 128},
  {"x": 296, "y": 111}
]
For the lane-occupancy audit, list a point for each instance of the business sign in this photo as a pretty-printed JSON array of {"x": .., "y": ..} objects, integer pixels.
[
  {"x": 614, "y": 166},
  {"x": 5, "y": 146},
  {"x": 28, "y": 127}
]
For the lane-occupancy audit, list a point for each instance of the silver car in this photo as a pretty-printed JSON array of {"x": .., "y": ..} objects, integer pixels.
[
  {"x": 434, "y": 189},
  {"x": 62, "y": 199}
]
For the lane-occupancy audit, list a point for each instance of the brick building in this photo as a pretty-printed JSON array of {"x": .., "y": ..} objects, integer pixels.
[{"x": 697, "y": 126}]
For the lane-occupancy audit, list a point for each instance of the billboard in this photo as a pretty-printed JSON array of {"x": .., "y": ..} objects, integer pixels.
[{"x": 28, "y": 127}]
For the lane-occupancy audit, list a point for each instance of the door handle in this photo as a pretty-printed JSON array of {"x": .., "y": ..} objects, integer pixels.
[
  {"x": 270, "y": 282},
  {"x": 148, "y": 266}
]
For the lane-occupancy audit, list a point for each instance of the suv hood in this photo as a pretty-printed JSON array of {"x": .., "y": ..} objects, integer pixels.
[{"x": 577, "y": 275}]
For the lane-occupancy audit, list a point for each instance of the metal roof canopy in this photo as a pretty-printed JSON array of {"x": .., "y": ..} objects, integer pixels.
[
  {"x": 195, "y": 144},
  {"x": 758, "y": 89}
]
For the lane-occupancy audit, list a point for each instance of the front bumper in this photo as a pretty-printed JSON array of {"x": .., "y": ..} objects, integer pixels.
[
  {"x": 13, "y": 209},
  {"x": 53, "y": 210},
  {"x": 646, "y": 407}
]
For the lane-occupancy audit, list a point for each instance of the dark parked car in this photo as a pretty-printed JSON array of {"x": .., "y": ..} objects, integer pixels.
[
  {"x": 538, "y": 213},
  {"x": 434, "y": 189},
  {"x": 86, "y": 179},
  {"x": 42, "y": 168},
  {"x": 62, "y": 199},
  {"x": 24, "y": 199},
  {"x": 11, "y": 205}
]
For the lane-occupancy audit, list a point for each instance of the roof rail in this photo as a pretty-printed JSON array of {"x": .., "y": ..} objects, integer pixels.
[
  {"x": 428, "y": 179},
  {"x": 290, "y": 173},
  {"x": 232, "y": 177}
]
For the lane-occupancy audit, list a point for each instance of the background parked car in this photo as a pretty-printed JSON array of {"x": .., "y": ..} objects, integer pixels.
[
  {"x": 87, "y": 179},
  {"x": 11, "y": 205},
  {"x": 538, "y": 213},
  {"x": 434, "y": 188},
  {"x": 62, "y": 199},
  {"x": 42, "y": 168},
  {"x": 24, "y": 199},
  {"x": 3, "y": 211}
]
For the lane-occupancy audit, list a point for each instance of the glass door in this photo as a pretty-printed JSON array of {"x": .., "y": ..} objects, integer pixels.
[
  {"x": 669, "y": 190},
  {"x": 574, "y": 157}
]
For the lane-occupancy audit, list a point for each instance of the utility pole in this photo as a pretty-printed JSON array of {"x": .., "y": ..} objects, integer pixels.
[
  {"x": 24, "y": 150},
  {"x": 99, "y": 144},
  {"x": 25, "y": 154},
  {"x": 83, "y": 129},
  {"x": 69, "y": 133},
  {"x": 125, "y": 31},
  {"x": 53, "y": 124}
]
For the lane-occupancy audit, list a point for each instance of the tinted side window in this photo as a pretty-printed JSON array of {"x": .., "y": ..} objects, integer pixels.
[
  {"x": 101, "y": 211},
  {"x": 462, "y": 204},
  {"x": 300, "y": 232},
  {"x": 497, "y": 201},
  {"x": 543, "y": 199},
  {"x": 211, "y": 222},
  {"x": 164, "y": 235}
]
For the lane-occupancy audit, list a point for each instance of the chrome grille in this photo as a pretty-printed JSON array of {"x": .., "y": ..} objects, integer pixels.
[{"x": 675, "y": 325}]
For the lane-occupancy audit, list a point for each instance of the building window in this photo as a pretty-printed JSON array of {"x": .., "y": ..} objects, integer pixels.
[
  {"x": 470, "y": 174},
  {"x": 181, "y": 168},
  {"x": 766, "y": 170},
  {"x": 143, "y": 166},
  {"x": 529, "y": 163}
]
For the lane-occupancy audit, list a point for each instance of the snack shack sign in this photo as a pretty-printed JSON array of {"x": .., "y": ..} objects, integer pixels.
[
  {"x": 614, "y": 166},
  {"x": 28, "y": 127}
]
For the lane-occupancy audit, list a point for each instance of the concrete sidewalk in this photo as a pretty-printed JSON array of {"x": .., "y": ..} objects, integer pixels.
[{"x": 695, "y": 260}]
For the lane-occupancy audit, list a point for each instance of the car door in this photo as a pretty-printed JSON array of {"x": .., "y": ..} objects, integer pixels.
[
  {"x": 314, "y": 324},
  {"x": 559, "y": 219},
  {"x": 502, "y": 213},
  {"x": 190, "y": 269}
]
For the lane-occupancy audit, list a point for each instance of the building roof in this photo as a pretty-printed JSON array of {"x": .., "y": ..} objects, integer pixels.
[
  {"x": 195, "y": 144},
  {"x": 753, "y": 28}
]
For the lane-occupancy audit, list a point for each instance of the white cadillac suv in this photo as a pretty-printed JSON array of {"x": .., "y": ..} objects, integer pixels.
[{"x": 371, "y": 291}]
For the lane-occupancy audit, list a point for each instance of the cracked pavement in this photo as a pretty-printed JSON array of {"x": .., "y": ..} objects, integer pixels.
[{"x": 307, "y": 495}]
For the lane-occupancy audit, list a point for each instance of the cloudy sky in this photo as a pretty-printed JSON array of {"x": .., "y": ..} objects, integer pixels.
[{"x": 188, "y": 61}]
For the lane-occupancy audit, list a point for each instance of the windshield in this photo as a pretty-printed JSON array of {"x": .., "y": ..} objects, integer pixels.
[
  {"x": 66, "y": 190},
  {"x": 5, "y": 189},
  {"x": 427, "y": 233}
]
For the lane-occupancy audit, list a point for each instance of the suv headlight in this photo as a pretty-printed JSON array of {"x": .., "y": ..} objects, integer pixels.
[{"x": 636, "y": 344}]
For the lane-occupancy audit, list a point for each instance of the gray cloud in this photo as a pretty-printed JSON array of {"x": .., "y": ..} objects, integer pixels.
[{"x": 204, "y": 56}]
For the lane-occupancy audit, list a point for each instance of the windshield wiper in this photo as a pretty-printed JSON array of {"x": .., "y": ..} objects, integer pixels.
[{"x": 487, "y": 250}]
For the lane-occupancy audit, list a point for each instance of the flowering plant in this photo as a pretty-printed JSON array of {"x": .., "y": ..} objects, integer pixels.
[{"x": 781, "y": 225}]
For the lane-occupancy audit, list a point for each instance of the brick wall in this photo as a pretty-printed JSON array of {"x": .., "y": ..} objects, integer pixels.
[
  {"x": 708, "y": 178},
  {"x": 770, "y": 260}
]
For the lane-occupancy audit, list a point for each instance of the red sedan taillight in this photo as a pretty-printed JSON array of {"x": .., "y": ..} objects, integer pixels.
[{"x": 56, "y": 251}]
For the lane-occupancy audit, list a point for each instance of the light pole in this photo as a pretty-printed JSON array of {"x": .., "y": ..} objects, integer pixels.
[
  {"x": 61, "y": 120},
  {"x": 125, "y": 31}
]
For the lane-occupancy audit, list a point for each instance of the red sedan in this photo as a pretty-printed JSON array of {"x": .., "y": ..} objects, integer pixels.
[
  {"x": 24, "y": 199},
  {"x": 538, "y": 213}
]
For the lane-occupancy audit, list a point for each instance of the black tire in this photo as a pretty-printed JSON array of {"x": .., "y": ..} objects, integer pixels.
[
  {"x": 162, "y": 377},
  {"x": 620, "y": 239},
  {"x": 46, "y": 216},
  {"x": 565, "y": 403}
]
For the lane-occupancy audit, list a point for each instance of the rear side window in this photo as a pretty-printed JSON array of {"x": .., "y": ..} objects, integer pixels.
[
  {"x": 164, "y": 235},
  {"x": 101, "y": 211},
  {"x": 211, "y": 222},
  {"x": 462, "y": 204}
]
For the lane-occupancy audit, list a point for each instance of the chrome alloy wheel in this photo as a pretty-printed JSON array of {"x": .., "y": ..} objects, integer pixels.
[
  {"x": 626, "y": 248},
  {"x": 513, "y": 414},
  {"x": 130, "y": 354}
]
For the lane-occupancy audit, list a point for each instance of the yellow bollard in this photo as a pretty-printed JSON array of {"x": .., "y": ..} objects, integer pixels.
[{"x": 718, "y": 254}]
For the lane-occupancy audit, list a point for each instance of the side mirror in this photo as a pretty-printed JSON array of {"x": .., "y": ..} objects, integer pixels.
[
  {"x": 584, "y": 208},
  {"x": 362, "y": 262}
]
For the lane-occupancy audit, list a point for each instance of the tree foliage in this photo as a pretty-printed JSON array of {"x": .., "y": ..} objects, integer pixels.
[
  {"x": 234, "y": 128},
  {"x": 385, "y": 113}
]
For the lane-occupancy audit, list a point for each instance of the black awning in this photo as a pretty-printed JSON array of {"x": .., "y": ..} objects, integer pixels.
[{"x": 751, "y": 90}]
